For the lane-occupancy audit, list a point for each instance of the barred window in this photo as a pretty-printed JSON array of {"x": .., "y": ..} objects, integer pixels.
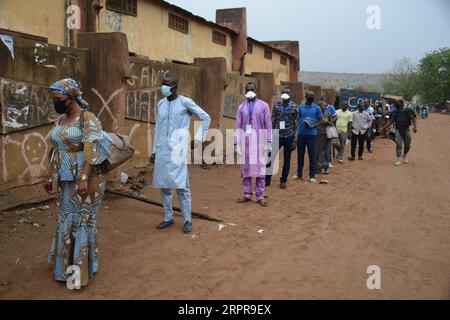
[
  {"x": 249, "y": 47},
  {"x": 219, "y": 38},
  {"x": 178, "y": 23},
  {"x": 283, "y": 60},
  {"x": 268, "y": 54},
  {"x": 128, "y": 7}
]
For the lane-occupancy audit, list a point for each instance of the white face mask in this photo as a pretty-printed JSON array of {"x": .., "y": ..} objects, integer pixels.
[
  {"x": 250, "y": 95},
  {"x": 285, "y": 96}
]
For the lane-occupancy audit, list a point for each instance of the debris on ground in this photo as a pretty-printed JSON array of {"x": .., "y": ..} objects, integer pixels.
[
  {"x": 221, "y": 226},
  {"x": 261, "y": 230}
]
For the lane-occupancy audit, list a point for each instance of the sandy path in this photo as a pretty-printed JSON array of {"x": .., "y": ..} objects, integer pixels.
[{"x": 318, "y": 243}]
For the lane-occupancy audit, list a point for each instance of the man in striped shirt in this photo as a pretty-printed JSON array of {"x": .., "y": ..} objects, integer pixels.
[{"x": 285, "y": 119}]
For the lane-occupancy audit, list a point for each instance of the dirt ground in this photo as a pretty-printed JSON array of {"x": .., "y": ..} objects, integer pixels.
[{"x": 318, "y": 240}]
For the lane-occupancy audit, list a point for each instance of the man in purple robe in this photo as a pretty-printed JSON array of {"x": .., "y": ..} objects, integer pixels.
[{"x": 253, "y": 140}]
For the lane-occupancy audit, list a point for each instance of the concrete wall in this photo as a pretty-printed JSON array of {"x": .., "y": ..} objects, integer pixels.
[
  {"x": 149, "y": 35},
  {"x": 256, "y": 62},
  {"x": 44, "y": 18}
]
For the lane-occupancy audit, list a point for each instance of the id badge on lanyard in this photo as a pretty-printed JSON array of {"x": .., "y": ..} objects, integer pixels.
[{"x": 249, "y": 130}]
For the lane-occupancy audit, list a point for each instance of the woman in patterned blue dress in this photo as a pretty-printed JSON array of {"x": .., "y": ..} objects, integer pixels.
[
  {"x": 80, "y": 146},
  {"x": 323, "y": 143}
]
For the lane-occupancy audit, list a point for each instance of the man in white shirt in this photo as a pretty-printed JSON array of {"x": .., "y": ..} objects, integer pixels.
[{"x": 360, "y": 124}]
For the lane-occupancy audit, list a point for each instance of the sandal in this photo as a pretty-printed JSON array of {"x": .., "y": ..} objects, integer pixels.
[
  {"x": 244, "y": 200},
  {"x": 263, "y": 203}
]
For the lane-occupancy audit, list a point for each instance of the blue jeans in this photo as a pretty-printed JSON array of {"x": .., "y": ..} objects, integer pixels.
[{"x": 310, "y": 143}]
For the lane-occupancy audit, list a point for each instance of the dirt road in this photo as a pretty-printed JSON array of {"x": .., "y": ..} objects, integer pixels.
[{"x": 317, "y": 243}]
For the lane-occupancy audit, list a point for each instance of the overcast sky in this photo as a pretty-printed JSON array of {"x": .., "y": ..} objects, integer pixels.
[{"x": 333, "y": 34}]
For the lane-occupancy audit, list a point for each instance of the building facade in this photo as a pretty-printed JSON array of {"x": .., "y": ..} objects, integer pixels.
[{"x": 155, "y": 29}]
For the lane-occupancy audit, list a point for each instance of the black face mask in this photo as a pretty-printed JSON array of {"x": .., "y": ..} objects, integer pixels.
[
  {"x": 310, "y": 100},
  {"x": 60, "y": 106}
]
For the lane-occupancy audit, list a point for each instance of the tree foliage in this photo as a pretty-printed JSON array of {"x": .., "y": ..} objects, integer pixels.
[
  {"x": 430, "y": 78},
  {"x": 403, "y": 80},
  {"x": 434, "y": 71}
]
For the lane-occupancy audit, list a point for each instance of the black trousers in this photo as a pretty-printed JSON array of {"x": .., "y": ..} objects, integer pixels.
[
  {"x": 286, "y": 144},
  {"x": 358, "y": 138},
  {"x": 369, "y": 138}
]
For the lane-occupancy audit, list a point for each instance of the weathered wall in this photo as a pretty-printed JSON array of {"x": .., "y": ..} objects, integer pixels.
[
  {"x": 44, "y": 18},
  {"x": 293, "y": 48},
  {"x": 256, "y": 62},
  {"x": 109, "y": 69},
  {"x": 27, "y": 113},
  {"x": 149, "y": 34}
]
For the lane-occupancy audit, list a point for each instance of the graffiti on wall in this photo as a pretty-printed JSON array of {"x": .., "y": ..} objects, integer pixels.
[
  {"x": 24, "y": 105},
  {"x": 28, "y": 154},
  {"x": 34, "y": 149},
  {"x": 143, "y": 92}
]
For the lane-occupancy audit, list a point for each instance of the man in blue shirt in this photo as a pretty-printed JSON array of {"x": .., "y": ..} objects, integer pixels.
[{"x": 310, "y": 117}]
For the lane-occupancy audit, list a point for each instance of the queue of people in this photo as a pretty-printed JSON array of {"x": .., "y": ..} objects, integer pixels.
[{"x": 81, "y": 148}]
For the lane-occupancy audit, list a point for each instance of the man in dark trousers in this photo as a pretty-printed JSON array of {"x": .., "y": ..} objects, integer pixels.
[
  {"x": 284, "y": 119},
  {"x": 403, "y": 118},
  {"x": 360, "y": 124}
]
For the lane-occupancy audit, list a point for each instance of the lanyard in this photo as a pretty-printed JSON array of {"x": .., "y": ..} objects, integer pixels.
[
  {"x": 283, "y": 109},
  {"x": 250, "y": 110}
]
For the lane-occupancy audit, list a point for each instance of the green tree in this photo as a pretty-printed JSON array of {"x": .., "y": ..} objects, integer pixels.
[
  {"x": 403, "y": 80},
  {"x": 435, "y": 76}
]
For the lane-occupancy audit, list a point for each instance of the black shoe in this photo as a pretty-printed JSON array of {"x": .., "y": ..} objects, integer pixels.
[
  {"x": 360, "y": 158},
  {"x": 283, "y": 185},
  {"x": 187, "y": 227},
  {"x": 351, "y": 158},
  {"x": 165, "y": 224}
]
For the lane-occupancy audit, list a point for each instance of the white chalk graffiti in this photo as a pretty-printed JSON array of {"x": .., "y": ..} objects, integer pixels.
[
  {"x": 13, "y": 115},
  {"x": 40, "y": 53},
  {"x": 145, "y": 81},
  {"x": 24, "y": 105},
  {"x": 132, "y": 80},
  {"x": 132, "y": 131},
  {"x": 34, "y": 149},
  {"x": 106, "y": 107}
]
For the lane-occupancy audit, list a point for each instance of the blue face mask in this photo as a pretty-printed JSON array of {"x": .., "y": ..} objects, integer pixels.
[{"x": 166, "y": 91}]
